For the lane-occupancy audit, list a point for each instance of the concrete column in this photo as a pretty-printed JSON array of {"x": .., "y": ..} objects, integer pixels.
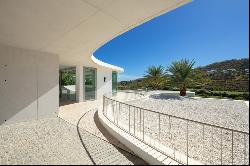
[{"x": 79, "y": 84}]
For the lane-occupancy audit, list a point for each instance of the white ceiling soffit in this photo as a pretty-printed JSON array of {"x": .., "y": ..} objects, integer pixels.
[{"x": 74, "y": 29}]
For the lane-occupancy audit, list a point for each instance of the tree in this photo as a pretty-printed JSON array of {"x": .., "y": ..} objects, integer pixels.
[
  {"x": 68, "y": 78},
  {"x": 180, "y": 72},
  {"x": 155, "y": 76},
  {"x": 200, "y": 79}
]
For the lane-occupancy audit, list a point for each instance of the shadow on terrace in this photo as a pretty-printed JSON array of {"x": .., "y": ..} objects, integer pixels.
[{"x": 105, "y": 153}]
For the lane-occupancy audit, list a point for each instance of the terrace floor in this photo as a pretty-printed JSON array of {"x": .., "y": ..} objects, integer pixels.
[
  {"x": 84, "y": 115},
  {"x": 76, "y": 137}
]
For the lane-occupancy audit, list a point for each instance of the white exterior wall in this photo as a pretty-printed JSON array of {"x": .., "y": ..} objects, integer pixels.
[
  {"x": 79, "y": 84},
  {"x": 28, "y": 84},
  {"x": 103, "y": 87}
]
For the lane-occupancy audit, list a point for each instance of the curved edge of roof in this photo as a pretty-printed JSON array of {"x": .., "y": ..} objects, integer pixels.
[
  {"x": 119, "y": 69},
  {"x": 101, "y": 63}
]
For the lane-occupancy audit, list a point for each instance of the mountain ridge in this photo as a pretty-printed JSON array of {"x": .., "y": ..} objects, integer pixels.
[{"x": 237, "y": 64}]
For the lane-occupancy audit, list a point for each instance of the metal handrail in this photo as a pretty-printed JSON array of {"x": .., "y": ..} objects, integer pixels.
[
  {"x": 134, "y": 92},
  {"x": 115, "y": 120},
  {"x": 177, "y": 117}
]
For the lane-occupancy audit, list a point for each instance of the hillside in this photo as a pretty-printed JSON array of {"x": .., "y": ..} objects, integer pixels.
[
  {"x": 238, "y": 64},
  {"x": 228, "y": 75}
]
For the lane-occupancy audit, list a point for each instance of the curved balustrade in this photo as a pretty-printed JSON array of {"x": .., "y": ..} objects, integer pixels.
[
  {"x": 184, "y": 140},
  {"x": 126, "y": 95}
]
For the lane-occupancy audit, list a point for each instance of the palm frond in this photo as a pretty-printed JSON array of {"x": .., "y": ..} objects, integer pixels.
[{"x": 181, "y": 71}]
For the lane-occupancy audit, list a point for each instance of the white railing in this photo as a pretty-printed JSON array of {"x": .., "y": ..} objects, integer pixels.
[{"x": 184, "y": 140}]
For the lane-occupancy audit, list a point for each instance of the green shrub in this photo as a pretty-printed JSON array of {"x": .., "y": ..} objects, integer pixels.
[
  {"x": 245, "y": 96},
  {"x": 216, "y": 94},
  {"x": 234, "y": 96},
  {"x": 201, "y": 92},
  {"x": 224, "y": 94},
  {"x": 237, "y": 96}
]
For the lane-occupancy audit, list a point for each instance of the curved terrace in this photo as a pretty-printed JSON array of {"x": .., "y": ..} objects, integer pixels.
[{"x": 59, "y": 104}]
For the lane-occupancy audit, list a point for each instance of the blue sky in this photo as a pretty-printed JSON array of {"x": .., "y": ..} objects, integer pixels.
[{"x": 204, "y": 30}]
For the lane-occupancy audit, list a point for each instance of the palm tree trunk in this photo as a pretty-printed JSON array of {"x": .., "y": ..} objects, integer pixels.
[{"x": 183, "y": 90}]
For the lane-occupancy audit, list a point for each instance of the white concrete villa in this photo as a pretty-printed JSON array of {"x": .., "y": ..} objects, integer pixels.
[
  {"x": 38, "y": 38},
  {"x": 44, "y": 121}
]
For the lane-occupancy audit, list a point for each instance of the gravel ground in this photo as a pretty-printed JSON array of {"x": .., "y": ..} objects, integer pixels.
[
  {"x": 225, "y": 113},
  {"x": 213, "y": 146},
  {"x": 54, "y": 141}
]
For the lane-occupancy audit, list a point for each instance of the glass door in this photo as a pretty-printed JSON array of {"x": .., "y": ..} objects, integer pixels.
[
  {"x": 67, "y": 82},
  {"x": 90, "y": 83}
]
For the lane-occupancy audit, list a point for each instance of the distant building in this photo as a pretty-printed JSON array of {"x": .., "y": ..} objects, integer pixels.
[
  {"x": 247, "y": 72},
  {"x": 230, "y": 72},
  {"x": 211, "y": 72}
]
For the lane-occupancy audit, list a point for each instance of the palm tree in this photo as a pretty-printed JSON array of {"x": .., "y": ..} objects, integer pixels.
[
  {"x": 155, "y": 76},
  {"x": 180, "y": 72}
]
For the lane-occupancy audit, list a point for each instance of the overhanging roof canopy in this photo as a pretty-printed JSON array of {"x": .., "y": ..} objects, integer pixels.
[{"x": 74, "y": 29}]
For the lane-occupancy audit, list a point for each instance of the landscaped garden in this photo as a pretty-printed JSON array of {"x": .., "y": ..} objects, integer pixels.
[
  {"x": 211, "y": 131},
  {"x": 181, "y": 75}
]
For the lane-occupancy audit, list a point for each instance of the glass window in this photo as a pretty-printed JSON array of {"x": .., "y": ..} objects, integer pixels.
[
  {"x": 114, "y": 82},
  {"x": 90, "y": 83}
]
